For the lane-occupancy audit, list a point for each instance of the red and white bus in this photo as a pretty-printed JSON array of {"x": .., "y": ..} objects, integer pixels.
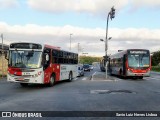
[
  {"x": 130, "y": 62},
  {"x": 40, "y": 64}
]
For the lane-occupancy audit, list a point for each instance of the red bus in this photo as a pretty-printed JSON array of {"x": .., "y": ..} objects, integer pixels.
[
  {"x": 40, "y": 64},
  {"x": 130, "y": 62}
]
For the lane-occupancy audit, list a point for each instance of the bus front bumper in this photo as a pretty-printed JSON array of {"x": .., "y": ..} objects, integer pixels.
[{"x": 130, "y": 73}]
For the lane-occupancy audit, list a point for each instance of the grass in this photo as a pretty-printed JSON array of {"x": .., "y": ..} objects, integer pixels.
[{"x": 156, "y": 68}]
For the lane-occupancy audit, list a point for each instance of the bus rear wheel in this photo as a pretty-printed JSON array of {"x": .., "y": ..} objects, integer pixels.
[
  {"x": 52, "y": 81},
  {"x": 24, "y": 84}
]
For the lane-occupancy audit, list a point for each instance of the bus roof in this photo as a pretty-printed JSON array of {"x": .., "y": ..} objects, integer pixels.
[
  {"x": 125, "y": 51},
  {"x": 43, "y": 45},
  {"x": 53, "y": 47}
]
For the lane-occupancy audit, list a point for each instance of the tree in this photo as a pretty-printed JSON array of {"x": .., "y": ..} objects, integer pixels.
[
  {"x": 89, "y": 59},
  {"x": 155, "y": 58}
]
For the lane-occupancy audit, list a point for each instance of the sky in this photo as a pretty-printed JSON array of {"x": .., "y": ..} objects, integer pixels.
[{"x": 136, "y": 24}]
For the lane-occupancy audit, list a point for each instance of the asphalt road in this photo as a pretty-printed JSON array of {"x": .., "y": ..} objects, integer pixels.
[{"x": 84, "y": 94}]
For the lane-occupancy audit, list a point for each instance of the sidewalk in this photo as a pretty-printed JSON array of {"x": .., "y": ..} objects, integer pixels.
[{"x": 101, "y": 76}]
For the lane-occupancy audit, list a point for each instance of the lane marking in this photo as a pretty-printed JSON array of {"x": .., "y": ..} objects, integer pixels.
[
  {"x": 152, "y": 78},
  {"x": 75, "y": 78},
  {"x": 85, "y": 78},
  {"x": 93, "y": 75},
  {"x": 106, "y": 80}
]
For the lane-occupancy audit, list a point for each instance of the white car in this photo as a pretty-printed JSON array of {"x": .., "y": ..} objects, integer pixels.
[{"x": 80, "y": 71}]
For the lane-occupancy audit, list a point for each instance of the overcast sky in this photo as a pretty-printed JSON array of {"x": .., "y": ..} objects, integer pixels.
[{"x": 136, "y": 23}]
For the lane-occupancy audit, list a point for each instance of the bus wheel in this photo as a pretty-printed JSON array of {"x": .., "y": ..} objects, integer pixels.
[
  {"x": 52, "y": 81},
  {"x": 70, "y": 77},
  {"x": 24, "y": 84},
  {"x": 140, "y": 77}
]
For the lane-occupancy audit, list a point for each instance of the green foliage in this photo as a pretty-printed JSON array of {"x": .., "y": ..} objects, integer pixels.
[
  {"x": 155, "y": 58},
  {"x": 89, "y": 59},
  {"x": 156, "y": 68}
]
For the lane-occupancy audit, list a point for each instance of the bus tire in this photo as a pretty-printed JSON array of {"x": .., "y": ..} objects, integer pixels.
[
  {"x": 24, "y": 84},
  {"x": 140, "y": 77},
  {"x": 52, "y": 81},
  {"x": 70, "y": 77}
]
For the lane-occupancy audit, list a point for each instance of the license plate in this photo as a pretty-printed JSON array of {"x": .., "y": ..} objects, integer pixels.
[{"x": 20, "y": 78}]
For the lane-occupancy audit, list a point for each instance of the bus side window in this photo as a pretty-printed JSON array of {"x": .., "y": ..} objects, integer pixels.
[{"x": 55, "y": 56}]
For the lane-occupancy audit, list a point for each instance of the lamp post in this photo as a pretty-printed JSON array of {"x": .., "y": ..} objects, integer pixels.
[
  {"x": 2, "y": 54},
  {"x": 111, "y": 14},
  {"x": 104, "y": 40},
  {"x": 70, "y": 40},
  {"x": 78, "y": 52}
]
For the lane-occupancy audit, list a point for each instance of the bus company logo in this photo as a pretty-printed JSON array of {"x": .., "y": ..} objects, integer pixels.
[{"x": 6, "y": 114}]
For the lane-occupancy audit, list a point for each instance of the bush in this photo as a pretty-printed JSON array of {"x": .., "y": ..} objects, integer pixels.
[{"x": 156, "y": 68}]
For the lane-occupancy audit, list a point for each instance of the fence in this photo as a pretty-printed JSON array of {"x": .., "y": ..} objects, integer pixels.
[{"x": 3, "y": 66}]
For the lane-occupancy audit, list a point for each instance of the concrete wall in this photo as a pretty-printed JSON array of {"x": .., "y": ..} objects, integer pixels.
[{"x": 3, "y": 65}]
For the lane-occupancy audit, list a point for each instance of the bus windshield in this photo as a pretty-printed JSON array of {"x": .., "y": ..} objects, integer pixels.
[
  {"x": 25, "y": 59},
  {"x": 139, "y": 60}
]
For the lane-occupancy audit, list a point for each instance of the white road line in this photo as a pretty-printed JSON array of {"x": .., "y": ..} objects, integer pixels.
[
  {"x": 152, "y": 78},
  {"x": 105, "y": 80},
  {"x": 93, "y": 75},
  {"x": 85, "y": 78},
  {"x": 75, "y": 78}
]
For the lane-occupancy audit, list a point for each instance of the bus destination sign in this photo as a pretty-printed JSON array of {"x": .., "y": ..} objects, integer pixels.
[{"x": 138, "y": 52}]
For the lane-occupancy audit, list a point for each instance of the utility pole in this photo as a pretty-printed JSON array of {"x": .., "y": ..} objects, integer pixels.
[
  {"x": 78, "y": 51},
  {"x": 2, "y": 54},
  {"x": 70, "y": 40},
  {"x": 112, "y": 15}
]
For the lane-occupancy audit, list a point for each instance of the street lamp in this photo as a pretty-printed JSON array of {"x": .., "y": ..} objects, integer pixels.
[
  {"x": 107, "y": 39},
  {"x": 2, "y": 53},
  {"x": 104, "y": 40},
  {"x": 70, "y": 40},
  {"x": 78, "y": 52},
  {"x": 111, "y": 14}
]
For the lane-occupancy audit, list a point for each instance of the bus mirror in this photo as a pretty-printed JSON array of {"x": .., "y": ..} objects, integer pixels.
[
  {"x": 47, "y": 57},
  {"x": 6, "y": 55}
]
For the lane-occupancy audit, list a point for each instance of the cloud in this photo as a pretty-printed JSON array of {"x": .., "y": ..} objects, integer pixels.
[
  {"x": 8, "y": 3},
  {"x": 89, "y": 39},
  {"x": 89, "y": 6},
  {"x": 92, "y": 7},
  {"x": 145, "y": 3}
]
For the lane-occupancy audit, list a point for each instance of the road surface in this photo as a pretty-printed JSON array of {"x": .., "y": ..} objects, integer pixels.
[{"x": 84, "y": 93}]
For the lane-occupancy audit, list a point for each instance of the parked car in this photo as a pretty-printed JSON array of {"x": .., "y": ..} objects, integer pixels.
[
  {"x": 86, "y": 67},
  {"x": 80, "y": 71},
  {"x": 91, "y": 67}
]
